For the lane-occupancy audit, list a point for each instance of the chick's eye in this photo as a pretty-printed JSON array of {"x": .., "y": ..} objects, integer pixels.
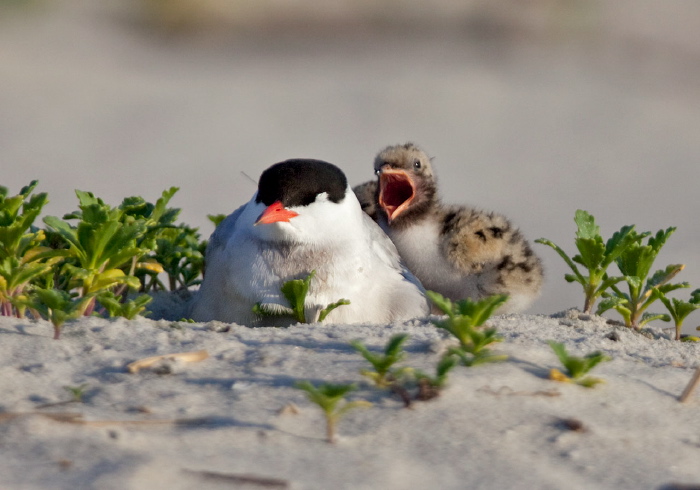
[
  {"x": 377, "y": 172},
  {"x": 417, "y": 164}
]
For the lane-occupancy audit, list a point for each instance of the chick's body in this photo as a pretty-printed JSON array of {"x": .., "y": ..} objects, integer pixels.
[{"x": 457, "y": 251}]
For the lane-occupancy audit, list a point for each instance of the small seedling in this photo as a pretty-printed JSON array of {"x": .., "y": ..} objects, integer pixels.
[
  {"x": 77, "y": 392},
  {"x": 595, "y": 255},
  {"x": 331, "y": 399},
  {"x": 463, "y": 321},
  {"x": 57, "y": 306},
  {"x": 384, "y": 374},
  {"x": 679, "y": 309},
  {"x": 635, "y": 263},
  {"x": 128, "y": 309},
  {"x": 576, "y": 367},
  {"x": 295, "y": 291},
  {"x": 430, "y": 387}
]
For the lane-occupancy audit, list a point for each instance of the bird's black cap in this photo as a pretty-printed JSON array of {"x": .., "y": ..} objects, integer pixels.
[{"x": 297, "y": 182}]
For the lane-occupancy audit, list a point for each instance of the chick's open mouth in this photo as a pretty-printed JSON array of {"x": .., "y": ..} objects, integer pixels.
[{"x": 396, "y": 192}]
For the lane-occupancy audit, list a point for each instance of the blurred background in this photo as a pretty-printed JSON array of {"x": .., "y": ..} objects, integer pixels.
[{"x": 533, "y": 108}]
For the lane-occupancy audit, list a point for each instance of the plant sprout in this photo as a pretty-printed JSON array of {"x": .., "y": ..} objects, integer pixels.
[
  {"x": 679, "y": 309},
  {"x": 429, "y": 386},
  {"x": 295, "y": 291},
  {"x": 384, "y": 374},
  {"x": 463, "y": 321},
  {"x": 576, "y": 367},
  {"x": 595, "y": 255},
  {"x": 57, "y": 306},
  {"x": 77, "y": 392},
  {"x": 331, "y": 399},
  {"x": 128, "y": 309},
  {"x": 635, "y": 263}
]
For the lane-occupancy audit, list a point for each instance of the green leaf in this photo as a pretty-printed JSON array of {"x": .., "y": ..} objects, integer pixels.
[
  {"x": 577, "y": 367},
  {"x": 592, "y": 252},
  {"x": 662, "y": 276},
  {"x": 481, "y": 310},
  {"x": 650, "y": 317},
  {"x": 295, "y": 292},
  {"x": 586, "y": 225},
  {"x": 444, "y": 304},
  {"x": 382, "y": 363},
  {"x": 325, "y": 311},
  {"x": 563, "y": 255},
  {"x": 128, "y": 309},
  {"x": 216, "y": 218},
  {"x": 660, "y": 239},
  {"x": 619, "y": 242},
  {"x": 161, "y": 204}
]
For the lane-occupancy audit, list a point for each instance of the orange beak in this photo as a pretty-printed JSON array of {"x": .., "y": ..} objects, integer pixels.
[
  {"x": 274, "y": 213},
  {"x": 396, "y": 192}
]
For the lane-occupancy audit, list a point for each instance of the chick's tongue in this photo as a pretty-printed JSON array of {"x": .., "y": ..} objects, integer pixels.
[{"x": 395, "y": 190}]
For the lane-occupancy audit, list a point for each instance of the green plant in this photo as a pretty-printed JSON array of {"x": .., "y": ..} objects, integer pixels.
[
  {"x": 295, "y": 291},
  {"x": 108, "y": 243},
  {"x": 679, "y": 309},
  {"x": 595, "y": 255},
  {"x": 576, "y": 367},
  {"x": 331, "y": 399},
  {"x": 181, "y": 253},
  {"x": 635, "y": 263},
  {"x": 384, "y": 373},
  {"x": 216, "y": 218},
  {"x": 174, "y": 249},
  {"x": 23, "y": 259},
  {"x": 464, "y": 319},
  {"x": 429, "y": 386},
  {"x": 57, "y": 306},
  {"x": 77, "y": 392},
  {"x": 98, "y": 246},
  {"x": 117, "y": 306}
]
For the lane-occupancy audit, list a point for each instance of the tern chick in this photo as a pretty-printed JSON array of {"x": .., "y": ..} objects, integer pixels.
[{"x": 457, "y": 251}]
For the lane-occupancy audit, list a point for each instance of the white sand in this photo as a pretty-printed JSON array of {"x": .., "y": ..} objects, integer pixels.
[{"x": 495, "y": 426}]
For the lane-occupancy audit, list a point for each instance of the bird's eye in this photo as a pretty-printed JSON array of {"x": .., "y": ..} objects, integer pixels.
[
  {"x": 417, "y": 164},
  {"x": 377, "y": 172}
]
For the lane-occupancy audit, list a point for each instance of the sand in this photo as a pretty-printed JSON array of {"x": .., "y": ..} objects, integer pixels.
[{"x": 235, "y": 419}]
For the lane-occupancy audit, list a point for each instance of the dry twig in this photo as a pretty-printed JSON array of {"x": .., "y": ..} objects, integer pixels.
[{"x": 691, "y": 386}]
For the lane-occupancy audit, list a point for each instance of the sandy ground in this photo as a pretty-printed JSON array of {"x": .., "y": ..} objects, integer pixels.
[{"x": 235, "y": 420}]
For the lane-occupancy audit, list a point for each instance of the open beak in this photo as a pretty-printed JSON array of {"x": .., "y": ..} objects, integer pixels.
[
  {"x": 274, "y": 213},
  {"x": 396, "y": 192}
]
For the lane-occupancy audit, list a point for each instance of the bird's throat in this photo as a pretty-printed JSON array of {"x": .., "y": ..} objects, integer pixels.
[{"x": 396, "y": 192}]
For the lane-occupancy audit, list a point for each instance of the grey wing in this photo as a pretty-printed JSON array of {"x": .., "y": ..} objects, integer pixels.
[
  {"x": 207, "y": 303},
  {"x": 218, "y": 239},
  {"x": 367, "y": 195},
  {"x": 385, "y": 249}
]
